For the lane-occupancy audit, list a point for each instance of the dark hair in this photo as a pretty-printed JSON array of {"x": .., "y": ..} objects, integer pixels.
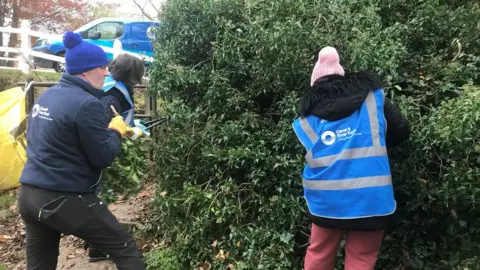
[{"x": 127, "y": 69}]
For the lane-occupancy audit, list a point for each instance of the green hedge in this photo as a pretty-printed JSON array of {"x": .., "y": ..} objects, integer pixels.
[
  {"x": 231, "y": 72},
  {"x": 9, "y": 78},
  {"x": 124, "y": 177}
]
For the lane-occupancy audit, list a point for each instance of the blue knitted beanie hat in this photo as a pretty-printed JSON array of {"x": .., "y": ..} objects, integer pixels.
[{"x": 82, "y": 56}]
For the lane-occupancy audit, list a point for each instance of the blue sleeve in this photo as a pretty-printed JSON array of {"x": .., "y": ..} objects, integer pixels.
[
  {"x": 108, "y": 101},
  {"x": 101, "y": 144}
]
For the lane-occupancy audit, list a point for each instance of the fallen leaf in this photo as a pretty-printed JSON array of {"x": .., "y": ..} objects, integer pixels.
[
  {"x": 205, "y": 266},
  {"x": 221, "y": 255},
  {"x": 5, "y": 237},
  {"x": 70, "y": 265}
]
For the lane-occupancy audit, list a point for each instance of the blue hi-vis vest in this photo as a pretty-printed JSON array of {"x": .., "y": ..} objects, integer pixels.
[
  {"x": 347, "y": 173},
  {"x": 128, "y": 115}
]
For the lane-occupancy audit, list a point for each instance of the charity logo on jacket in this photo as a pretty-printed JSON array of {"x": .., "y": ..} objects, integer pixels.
[{"x": 66, "y": 145}]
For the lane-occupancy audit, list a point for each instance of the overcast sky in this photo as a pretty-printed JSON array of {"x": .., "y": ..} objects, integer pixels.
[{"x": 129, "y": 9}]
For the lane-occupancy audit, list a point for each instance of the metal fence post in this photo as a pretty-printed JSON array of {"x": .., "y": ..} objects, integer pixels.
[
  {"x": 152, "y": 104},
  {"x": 30, "y": 95}
]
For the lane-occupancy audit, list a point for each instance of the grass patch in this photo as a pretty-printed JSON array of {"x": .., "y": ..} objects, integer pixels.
[
  {"x": 9, "y": 78},
  {"x": 162, "y": 259},
  {"x": 6, "y": 201}
]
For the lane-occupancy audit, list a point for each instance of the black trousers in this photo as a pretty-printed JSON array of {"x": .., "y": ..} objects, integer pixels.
[{"x": 48, "y": 214}]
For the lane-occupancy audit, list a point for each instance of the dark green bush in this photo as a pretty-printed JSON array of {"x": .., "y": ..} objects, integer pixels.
[
  {"x": 123, "y": 178},
  {"x": 231, "y": 72},
  {"x": 436, "y": 177}
]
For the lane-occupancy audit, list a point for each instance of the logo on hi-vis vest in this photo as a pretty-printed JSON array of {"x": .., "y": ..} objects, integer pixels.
[
  {"x": 41, "y": 112},
  {"x": 347, "y": 133},
  {"x": 328, "y": 137}
]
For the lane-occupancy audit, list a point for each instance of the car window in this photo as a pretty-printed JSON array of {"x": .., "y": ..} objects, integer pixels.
[
  {"x": 107, "y": 30},
  {"x": 41, "y": 42}
]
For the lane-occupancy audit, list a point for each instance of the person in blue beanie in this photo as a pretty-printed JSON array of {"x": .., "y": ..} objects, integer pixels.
[{"x": 70, "y": 140}]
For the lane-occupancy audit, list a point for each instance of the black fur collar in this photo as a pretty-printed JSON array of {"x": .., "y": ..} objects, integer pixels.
[{"x": 334, "y": 97}]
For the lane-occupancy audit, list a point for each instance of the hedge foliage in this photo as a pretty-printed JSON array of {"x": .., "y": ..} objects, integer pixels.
[
  {"x": 10, "y": 78},
  {"x": 231, "y": 72},
  {"x": 123, "y": 178}
]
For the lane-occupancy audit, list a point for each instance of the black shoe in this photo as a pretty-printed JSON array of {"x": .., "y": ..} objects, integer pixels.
[{"x": 97, "y": 255}]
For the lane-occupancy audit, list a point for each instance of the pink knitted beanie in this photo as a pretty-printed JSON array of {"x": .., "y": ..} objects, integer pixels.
[{"x": 328, "y": 63}]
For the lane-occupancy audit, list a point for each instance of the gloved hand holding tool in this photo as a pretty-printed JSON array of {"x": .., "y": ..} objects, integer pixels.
[
  {"x": 145, "y": 126},
  {"x": 117, "y": 123},
  {"x": 141, "y": 127}
]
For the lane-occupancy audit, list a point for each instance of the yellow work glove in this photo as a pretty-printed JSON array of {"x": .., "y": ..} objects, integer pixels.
[
  {"x": 117, "y": 123},
  {"x": 134, "y": 133}
]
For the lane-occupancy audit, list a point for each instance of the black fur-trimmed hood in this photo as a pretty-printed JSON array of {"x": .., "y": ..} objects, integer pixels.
[{"x": 335, "y": 97}]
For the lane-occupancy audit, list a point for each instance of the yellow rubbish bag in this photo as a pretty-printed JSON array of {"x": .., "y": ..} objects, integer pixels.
[{"x": 13, "y": 126}]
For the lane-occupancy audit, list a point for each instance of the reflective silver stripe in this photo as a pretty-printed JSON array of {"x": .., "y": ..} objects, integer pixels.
[
  {"x": 312, "y": 135},
  {"x": 353, "y": 183},
  {"x": 383, "y": 102},
  {"x": 345, "y": 154},
  {"x": 129, "y": 117},
  {"x": 372, "y": 115}
]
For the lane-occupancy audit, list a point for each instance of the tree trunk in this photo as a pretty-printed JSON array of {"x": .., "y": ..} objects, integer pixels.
[
  {"x": 3, "y": 14},
  {"x": 13, "y": 42}
]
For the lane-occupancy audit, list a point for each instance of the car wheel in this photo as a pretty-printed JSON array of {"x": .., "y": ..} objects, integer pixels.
[{"x": 57, "y": 66}]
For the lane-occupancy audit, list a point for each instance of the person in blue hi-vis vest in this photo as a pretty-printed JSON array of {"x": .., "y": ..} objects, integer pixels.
[
  {"x": 346, "y": 124},
  {"x": 125, "y": 71}
]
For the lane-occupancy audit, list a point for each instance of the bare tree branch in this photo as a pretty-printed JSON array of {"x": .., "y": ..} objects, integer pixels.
[
  {"x": 142, "y": 10},
  {"x": 154, "y": 7},
  {"x": 41, "y": 19}
]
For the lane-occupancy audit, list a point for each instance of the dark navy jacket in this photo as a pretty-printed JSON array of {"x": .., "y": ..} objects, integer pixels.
[{"x": 68, "y": 142}]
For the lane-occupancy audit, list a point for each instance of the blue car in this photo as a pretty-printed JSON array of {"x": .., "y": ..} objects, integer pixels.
[{"x": 135, "y": 36}]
